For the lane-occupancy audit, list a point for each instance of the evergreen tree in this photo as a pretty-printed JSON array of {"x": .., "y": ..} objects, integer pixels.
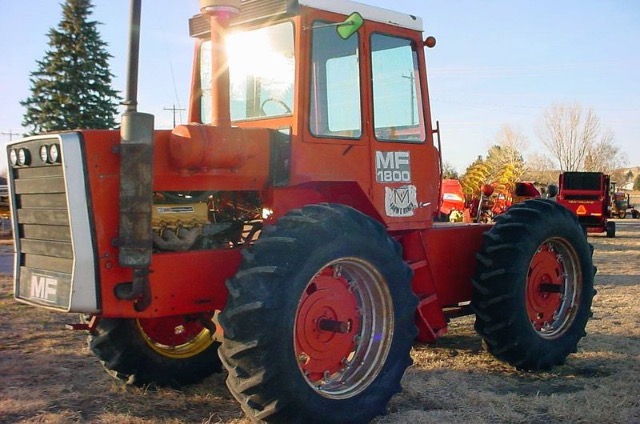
[
  {"x": 636, "y": 183},
  {"x": 72, "y": 86}
]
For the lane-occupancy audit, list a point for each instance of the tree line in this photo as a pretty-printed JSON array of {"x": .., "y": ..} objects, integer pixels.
[{"x": 574, "y": 140}]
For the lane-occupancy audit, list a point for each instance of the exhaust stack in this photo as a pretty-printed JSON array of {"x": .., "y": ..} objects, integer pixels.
[
  {"x": 220, "y": 12},
  {"x": 136, "y": 193}
]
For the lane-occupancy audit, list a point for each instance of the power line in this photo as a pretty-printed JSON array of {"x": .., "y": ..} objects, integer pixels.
[
  {"x": 174, "y": 109},
  {"x": 10, "y": 134}
]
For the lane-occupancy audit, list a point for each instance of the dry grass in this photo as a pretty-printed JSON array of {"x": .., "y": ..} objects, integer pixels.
[{"x": 47, "y": 374}]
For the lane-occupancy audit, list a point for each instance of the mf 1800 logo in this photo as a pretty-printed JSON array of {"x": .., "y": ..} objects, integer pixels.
[
  {"x": 44, "y": 288},
  {"x": 393, "y": 167}
]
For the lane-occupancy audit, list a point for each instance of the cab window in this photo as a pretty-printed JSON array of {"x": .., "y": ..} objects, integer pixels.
[
  {"x": 261, "y": 73},
  {"x": 397, "y": 104},
  {"x": 335, "y": 109}
]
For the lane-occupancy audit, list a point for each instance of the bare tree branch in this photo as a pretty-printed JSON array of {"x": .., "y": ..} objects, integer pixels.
[{"x": 575, "y": 139}]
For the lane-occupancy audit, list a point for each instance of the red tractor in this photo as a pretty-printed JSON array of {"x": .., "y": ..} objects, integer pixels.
[
  {"x": 588, "y": 195},
  {"x": 453, "y": 205},
  {"x": 287, "y": 234},
  {"x": 621, "y": 204}
]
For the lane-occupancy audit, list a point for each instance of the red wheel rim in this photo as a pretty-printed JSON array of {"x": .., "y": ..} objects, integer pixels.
[
  {"x": 552, "y": 288},
  {"x": 343, "y": 328}
]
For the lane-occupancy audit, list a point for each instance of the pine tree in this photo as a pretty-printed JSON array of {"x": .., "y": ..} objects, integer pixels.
[{"x": 71, "y": 87}]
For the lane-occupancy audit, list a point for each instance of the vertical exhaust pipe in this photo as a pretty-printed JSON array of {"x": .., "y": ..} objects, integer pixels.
[
  {"x": 135, "y": 240},
  {"x": 220, "y": 13}
]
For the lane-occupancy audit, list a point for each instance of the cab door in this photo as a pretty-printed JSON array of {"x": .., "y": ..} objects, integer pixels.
[{"x": 405, "y": 162}]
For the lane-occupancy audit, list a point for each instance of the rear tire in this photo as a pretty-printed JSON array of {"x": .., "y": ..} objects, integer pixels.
[
  {"x": 610, "y": 228},
  {"x": 319, "y": 322},
  {"x": 171, "y": 351},
  {"x": 533, "y": 287}
]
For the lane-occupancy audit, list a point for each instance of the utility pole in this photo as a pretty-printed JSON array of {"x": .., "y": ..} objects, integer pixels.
[
  {"x": 174, "y": 109},
  {"x": 10, "y": 134},
  {"x": 411, "y": 77}
]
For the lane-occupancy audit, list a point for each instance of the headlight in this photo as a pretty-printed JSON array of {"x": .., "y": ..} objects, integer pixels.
[
  {"x": 54, "y": 153},
  {"x": 24, "y": 157},
  {"x": 13, "y": 157},
  {"x": 50, "y": 154},
  {"x": 44, "y": 153}
]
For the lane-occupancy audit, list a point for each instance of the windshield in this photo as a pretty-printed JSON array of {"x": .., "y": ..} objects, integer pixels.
[{"x": 261, "y": 73}]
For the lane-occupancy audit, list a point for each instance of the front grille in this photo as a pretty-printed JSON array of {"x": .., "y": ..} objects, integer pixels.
[
  {"x": 43, "y": 235},
  {"x": 43, "y": 218},
  {"x": 582, "y": 180},
  {"x": 56, "y": 260}
]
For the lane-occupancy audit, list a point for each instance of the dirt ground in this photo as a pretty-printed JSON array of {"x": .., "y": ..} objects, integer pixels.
[{"x": 47, "y": 374}]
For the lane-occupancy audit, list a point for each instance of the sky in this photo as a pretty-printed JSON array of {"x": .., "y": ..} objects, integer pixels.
[{"x": 496, "y": 62}]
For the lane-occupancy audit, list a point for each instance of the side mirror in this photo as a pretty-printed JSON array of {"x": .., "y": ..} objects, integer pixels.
[{"x": 350, "y": 26}]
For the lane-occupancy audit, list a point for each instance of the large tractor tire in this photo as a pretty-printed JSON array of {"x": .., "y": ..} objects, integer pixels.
[
  {"x": 533, "y": 286},
  {"x": 319, "y": 323},
  {"x": 170, "y": 351}
]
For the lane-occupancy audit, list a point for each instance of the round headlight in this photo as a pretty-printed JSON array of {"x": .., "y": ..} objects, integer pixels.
[
  {"x": 54, "y": 153},
  {"x": 44, "y": 153},
  {"x": 13, "y": 157},
  {"x": 24, "y": 157}
]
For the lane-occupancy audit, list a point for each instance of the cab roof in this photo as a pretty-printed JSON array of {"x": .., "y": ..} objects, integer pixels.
[
  {"x": 258, "y": 10},
  {"x": 372, "y": 13}
]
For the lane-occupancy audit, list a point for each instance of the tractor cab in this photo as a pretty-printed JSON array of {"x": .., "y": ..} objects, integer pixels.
[{"x": 342, "y": 85}]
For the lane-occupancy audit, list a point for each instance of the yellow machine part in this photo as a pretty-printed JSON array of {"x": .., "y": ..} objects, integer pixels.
[{"x": 179, "y": 215}]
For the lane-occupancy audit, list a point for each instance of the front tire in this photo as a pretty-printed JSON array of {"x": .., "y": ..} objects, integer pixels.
[
  {"x": 319, "y": 323},
  {"x": 168, "y": 351},
  {"x": 533, "y": 287}
]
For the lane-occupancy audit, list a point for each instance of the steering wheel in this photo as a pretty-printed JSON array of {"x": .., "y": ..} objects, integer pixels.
[{"x": 274, "y": 100}]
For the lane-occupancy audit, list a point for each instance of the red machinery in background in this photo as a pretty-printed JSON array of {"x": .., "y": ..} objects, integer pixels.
[{"x": 587, "y": 194}]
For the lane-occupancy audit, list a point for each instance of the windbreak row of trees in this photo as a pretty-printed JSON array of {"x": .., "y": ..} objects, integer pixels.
[{"x": 574, "y": 140}]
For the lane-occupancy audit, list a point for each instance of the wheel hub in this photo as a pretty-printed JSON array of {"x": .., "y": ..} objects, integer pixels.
[
  {"x": 176, "y": 336},
  {"x": 550, "y": 292},
  {"x": 343, "y": 328},
  {"x": 327, "y": 320}
]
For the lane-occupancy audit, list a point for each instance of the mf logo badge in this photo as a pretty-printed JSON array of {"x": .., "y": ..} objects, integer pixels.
[
  {"x": 393, "y": 167},
  {"x": 44, "y": 288},
  {"x": 401, "y": 201}
]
